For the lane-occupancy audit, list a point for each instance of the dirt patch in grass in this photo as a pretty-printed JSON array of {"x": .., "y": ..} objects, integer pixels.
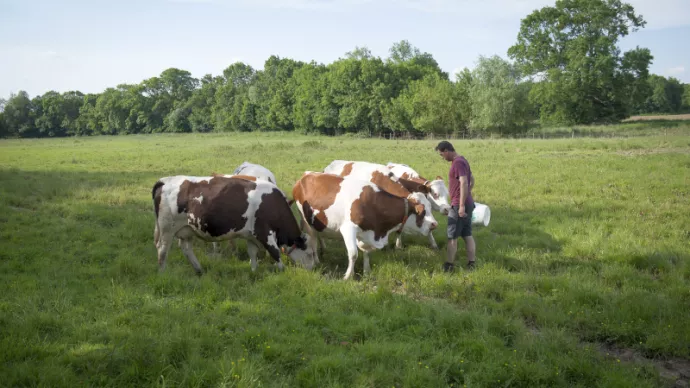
[
  {"x": 675, "y": 370},
  {"x": 654, "y": 151},
  {"x": 658, "y": 117}
]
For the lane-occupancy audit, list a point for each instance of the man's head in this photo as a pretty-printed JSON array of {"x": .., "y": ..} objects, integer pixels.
[{"x": 446, "y": 150}]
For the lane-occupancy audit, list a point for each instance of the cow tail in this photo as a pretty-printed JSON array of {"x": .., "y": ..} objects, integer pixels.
[
  {"x": 156, "y": 193},
  {"x": 156, "y": 196}
]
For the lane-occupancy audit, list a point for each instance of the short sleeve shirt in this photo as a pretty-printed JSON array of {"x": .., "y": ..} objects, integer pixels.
[{"x": 459, "y": 167}]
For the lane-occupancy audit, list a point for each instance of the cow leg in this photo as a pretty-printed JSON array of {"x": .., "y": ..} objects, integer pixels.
[
  {"x": 367, "y": 268},
  {"x": 164, "y": 243},
  {"x": 156, "y": 235},
  {"x": 216, "y": 249},
  {"x": 365, "y": 252},
  {"x": 322, "y": 243},
  {"x": 350, "y": 237},
  {"x": 398, "y": 241},
  {"x": 432, "y": 241},
  {"x": 186, "y": 246},
  {"x": 252, "y": 250},
  {"x": 306, "y": 228}
]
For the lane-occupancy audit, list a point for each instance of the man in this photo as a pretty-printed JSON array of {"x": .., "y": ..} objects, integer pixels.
[{"x": 460, "y": 183}]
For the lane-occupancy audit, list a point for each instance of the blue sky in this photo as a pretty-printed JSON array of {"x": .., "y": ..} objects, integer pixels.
[{"x": 89, "y": 45}]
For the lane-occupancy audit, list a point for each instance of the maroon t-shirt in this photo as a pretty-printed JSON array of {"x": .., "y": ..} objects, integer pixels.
[{"x": 459, "y": 167}]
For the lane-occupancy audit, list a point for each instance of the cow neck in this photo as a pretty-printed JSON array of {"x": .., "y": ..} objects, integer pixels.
[
  {"x": 420, "y": 180},
  {"x": 405, "y": 217}
]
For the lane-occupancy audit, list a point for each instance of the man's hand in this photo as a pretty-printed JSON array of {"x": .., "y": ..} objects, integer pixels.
[{"x": 461, "y": 211}]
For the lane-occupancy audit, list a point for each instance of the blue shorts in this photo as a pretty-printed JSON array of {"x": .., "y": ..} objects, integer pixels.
[{"x": 459, "y": 226}]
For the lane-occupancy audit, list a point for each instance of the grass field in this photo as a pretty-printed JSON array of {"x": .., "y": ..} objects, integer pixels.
[{"x": 583, "y": 276}]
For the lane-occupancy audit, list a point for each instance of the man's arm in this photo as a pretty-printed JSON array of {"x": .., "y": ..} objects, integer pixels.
[{"x": 463, "y": 195}]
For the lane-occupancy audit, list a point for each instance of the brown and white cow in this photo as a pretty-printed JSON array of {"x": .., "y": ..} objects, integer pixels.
[
  {"x": 364, "y": 214},
  {"x": 256, "y": 170},
  {"x": 386, "y": 179},
  {"x": 219, "y": 208},
  {"x": 439, "y": 195},
  {"x": 248, "y": 169}
]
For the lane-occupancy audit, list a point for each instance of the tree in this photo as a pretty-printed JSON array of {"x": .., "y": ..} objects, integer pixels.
[
  {"x": 359, "y": 53},
  {"x": 3, "y": 127},
  {"x": 403, "y": 51},
  {"x": 201, "y": 103},
  {"x": 18, "y": 115},
  {"x": 499, "y": 100},
  {"x": 432, "y": 105},
  {"x": 572, "y": 46},
  {"x": 665, "y": 96},
  {"x": 273, "y": 98}
]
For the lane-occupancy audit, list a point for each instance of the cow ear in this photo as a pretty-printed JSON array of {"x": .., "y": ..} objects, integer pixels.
[
  {"x": 419, "y": 209},
  {"x": 423, "y": 189},
  {"x": 439, "y": 178}
]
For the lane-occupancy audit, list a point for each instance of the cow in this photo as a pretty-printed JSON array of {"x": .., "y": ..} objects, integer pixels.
[
  {"x": 216, "y": 208},
  {"x": 385, "y": 178},
  {"x": 363, "y": 213},
  {"x": 255, "y": 170},
  {"x": 438, "y": 192},
  {"x": 248, "y": 169}
]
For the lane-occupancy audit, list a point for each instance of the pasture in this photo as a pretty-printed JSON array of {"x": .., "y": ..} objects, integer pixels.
[{"x": 582, "y": 278}]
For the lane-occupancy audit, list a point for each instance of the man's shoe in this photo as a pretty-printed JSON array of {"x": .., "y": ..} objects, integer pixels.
[
  {"x": 470, "y": 265},
  {"x": 448, "y": 267}
]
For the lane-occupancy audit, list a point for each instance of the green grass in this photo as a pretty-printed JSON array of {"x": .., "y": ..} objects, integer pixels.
[
  {"x": 625, "y": 129},
  {"x": 587, "y": 250}
]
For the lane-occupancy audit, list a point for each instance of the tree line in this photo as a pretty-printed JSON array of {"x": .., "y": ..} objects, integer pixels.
[{"x": 564, "y": 69}]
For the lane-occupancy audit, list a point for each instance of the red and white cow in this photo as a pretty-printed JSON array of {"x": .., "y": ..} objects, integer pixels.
[
  {"x": 219, "y": 208},
  {"x": 438, "y": 192},
  {"x": 255, "y": 170},
  {"x": 248, "y": 169},
  {"x": 386, "y": 179},
  {"x": 364, "y": 214}
]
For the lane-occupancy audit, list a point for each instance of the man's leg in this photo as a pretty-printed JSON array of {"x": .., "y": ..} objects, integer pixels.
[
  {"x": 470, "y": 248},
  {"x": 452, "y": 248}
]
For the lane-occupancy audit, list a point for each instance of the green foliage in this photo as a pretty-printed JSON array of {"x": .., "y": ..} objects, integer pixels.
[
  {"x": 432, "y": 104},
  {"x": 666, "y": 96},
  {"x": 572, "y": 46},
  {"x": 499, "y": 99},
  {"x": 570, "y": 69},
  {"x": 18, "y": 115}
]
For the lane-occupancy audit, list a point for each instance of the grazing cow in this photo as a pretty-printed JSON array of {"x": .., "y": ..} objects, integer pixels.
[
  {"x": 248, "y": 169},
  {"x": 438, "y": 192},
  {"x": 385, "y": 178},
  {"x": 219, "y": 208},
  {"x": 256, "y": 170},
  {"x": 364, "y": 214}
]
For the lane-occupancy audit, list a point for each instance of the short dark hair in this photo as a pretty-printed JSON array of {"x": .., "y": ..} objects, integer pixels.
[{"x": 444, "y": 146}]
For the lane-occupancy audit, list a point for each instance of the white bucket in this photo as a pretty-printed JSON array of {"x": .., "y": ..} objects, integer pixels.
[{"x": 481, "y": 215}]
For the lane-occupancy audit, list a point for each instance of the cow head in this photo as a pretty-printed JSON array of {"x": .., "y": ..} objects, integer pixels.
[
  {"x": 438, "y": 195},
  {"x": 302, "y": 252},
  {"x": 423, "y": 221}
]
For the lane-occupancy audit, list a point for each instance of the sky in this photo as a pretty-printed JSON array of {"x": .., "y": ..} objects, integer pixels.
[{"x": 90, "y": 45}]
